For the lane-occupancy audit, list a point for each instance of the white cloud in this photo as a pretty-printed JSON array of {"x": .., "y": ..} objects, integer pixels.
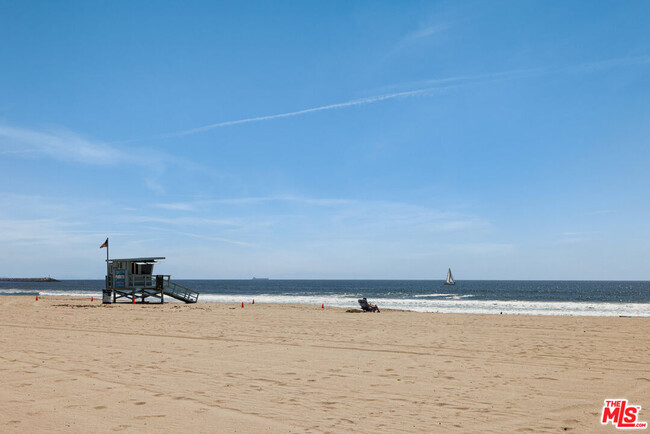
[
  {"x": 610, "y": 63},
  {"x": 274, "y": 217},
  {"x": 205, "y": 237},
  {"x": 69, "y": 147},
  {"x": 484, "y": 248},
  {"x": 601, "y": 212},
  {"x": 426, "y": 31},
  {"x": 154, "y": 185},
  {"x": 181, "y": 221},
  {"x": 60, "y": 145},
  {"x": 176, "y": 206},
  {"x": 284, "y": 236}
]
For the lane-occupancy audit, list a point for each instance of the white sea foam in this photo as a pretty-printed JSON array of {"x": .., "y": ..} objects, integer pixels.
[
  {"x": 64, "y": 293},
  {"x": 444, "y": 303},
  {"x": 458, "y": 305},
  {"x": 17, "y": 291}
]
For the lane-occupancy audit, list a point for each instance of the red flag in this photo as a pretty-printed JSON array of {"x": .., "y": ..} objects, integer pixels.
[{"x": 105, "y": 244}]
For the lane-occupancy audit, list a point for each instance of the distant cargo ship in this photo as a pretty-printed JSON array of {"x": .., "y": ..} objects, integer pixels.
[
  {"x": 28, "y": 279},
  {"x": 260, "y": 278}
]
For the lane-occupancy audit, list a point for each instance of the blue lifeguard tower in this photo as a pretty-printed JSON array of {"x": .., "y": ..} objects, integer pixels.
[{"x": 132, "y": 279}]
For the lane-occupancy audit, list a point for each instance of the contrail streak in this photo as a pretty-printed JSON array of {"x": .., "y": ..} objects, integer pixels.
[
  {"x": 458, "y": 81},
  {"x": 355, "y": 102}
]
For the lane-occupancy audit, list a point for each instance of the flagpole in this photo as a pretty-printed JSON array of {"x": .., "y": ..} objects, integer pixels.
[{"x": 106, "y": 266}]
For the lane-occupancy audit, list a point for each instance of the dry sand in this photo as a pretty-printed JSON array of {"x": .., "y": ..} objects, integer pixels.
[{"x": 71, "y": 365}]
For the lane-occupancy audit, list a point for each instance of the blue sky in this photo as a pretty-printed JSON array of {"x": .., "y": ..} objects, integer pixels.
[{"x": 506, "y": 140}]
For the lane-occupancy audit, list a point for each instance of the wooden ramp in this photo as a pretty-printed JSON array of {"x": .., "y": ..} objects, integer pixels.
[{"x": 180, "y": 292}]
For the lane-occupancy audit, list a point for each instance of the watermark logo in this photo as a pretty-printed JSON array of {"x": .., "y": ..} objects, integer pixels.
[{"x": 622, "y": 415}]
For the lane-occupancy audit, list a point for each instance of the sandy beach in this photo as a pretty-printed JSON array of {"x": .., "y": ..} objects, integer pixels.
[{"x": 69, "y": 364}]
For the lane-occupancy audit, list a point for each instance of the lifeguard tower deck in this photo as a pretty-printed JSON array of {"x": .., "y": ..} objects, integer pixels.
[{"x": 132, "y": 279}]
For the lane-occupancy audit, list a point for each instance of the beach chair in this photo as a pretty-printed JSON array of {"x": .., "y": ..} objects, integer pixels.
[{"x": 367, "y": 307}]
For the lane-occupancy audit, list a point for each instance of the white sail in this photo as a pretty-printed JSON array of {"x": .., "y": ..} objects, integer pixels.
[{"x": 450, "y": 278}]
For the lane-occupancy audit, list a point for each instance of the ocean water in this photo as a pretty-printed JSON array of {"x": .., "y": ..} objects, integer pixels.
[{"x": 581, "y": 298}]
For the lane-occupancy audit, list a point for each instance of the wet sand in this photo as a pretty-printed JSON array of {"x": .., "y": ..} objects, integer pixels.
[{"x": 69, "y": 364}]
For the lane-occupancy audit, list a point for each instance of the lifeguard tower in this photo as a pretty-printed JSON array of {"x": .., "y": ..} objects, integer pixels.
[{"x": 133, "y": 279}]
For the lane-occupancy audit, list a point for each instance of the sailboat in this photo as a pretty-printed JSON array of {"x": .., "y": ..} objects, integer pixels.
[{"x": 450, "y": 278}]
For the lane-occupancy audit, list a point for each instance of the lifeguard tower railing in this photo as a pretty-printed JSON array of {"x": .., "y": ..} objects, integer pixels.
[
  {"x": 179, "y": 292},
  {"x": 141, "y": 287}
]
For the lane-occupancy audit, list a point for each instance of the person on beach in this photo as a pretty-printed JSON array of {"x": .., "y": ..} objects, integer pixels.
[{"x": 367, "y": 307}]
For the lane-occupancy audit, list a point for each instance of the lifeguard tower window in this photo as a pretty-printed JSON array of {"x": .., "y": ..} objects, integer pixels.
[{"x": 141, "y": 268}]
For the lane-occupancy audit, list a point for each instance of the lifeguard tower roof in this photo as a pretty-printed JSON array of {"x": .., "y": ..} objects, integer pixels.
[{"x": 153, "y": 259}]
